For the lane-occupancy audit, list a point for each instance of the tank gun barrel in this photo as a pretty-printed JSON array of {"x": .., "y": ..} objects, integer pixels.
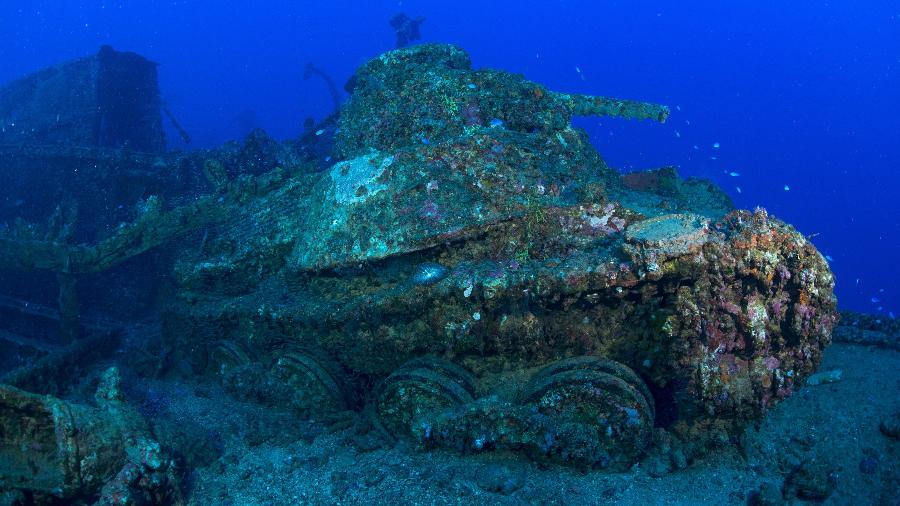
[{"x": 591, "y": 105}]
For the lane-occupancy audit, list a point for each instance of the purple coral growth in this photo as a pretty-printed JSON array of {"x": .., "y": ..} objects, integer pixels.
[{"x": 429, "y": 210}]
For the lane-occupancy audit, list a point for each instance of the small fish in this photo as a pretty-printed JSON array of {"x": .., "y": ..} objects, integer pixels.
[
  {"x": 787, "y": 188},
  {"x": 738, "y": 188},
  {"x": 828, "y": 257},
  {"x": 429, "y": 273},
  {"x": 424, "y": 140},
  {"x": 715, "y": 145},
  {"x": 677, "y": 134},
  {"x": 472, "y": 86},
  {"x": 677, "y": 107},
  {"x": 734, "y": 174},
  {"x": 891, "y": 314},
  {"x": 496, "y": 123},
  {"x": 696, "y": 146},
  {"x": 578, "y": 69},
  {"x": 875, "y": 300},
  {"x": 320, "y": 132}
]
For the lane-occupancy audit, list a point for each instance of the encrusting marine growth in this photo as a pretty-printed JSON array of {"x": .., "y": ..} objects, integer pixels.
[{"x": 473, "y": 272}]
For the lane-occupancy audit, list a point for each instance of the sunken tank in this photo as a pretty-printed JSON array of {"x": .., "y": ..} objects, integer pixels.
[{"x": 474, "y": 276}]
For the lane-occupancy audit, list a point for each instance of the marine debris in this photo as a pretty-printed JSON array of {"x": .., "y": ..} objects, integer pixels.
[
  {"x": 874, "y": 330},
  {"x": 185, "y": 136},
  {"x": 61, "y": 451}
]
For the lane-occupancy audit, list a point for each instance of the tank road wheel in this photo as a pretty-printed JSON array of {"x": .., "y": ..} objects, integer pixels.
[
  {"x": 228, "y": 355},
  {"x": 449, "y": 369},
  {"x": 421, "y": 387},
  {"x": 599, "y": 418},
  {"x": 603, "y": 365},
  {"x": 315, "y": 381}
]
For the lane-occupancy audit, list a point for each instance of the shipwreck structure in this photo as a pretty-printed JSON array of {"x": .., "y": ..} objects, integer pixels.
[
  {"x": 108, "y": 100},
  {"x": 469, "y": 273}
]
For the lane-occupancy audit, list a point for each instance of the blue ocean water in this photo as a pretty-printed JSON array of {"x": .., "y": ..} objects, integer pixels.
[{"x": 790, "y": 106}]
